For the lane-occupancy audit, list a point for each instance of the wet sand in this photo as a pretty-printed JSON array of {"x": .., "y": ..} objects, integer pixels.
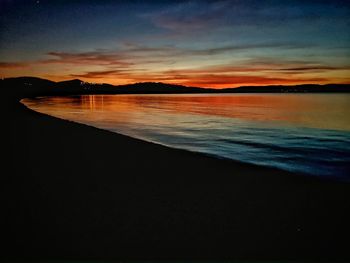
[{"x": 70, "y": 191}]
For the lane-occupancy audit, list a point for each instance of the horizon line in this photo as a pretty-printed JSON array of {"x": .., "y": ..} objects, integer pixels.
[{"x": 176, "y": 84}]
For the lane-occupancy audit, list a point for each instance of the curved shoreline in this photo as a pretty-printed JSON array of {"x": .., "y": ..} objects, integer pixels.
[{"x": 78, "y": 192}]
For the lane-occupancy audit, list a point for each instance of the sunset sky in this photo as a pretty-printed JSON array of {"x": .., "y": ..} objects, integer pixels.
[{"x": 195, "y": 43}]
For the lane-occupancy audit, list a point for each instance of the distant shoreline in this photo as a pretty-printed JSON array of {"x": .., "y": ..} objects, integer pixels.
[{"x": 31, "y": 86}]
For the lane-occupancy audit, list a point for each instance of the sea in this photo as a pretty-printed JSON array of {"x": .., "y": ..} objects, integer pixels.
[{"x": 305, "y": 133}]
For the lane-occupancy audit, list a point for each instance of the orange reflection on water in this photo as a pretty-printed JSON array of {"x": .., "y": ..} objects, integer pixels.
[{"x": 327, "y": 111}]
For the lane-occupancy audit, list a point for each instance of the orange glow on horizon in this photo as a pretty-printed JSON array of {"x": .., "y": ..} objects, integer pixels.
[
  {"x": 211, "y": 82},
  {"x": 206, "y": 76}
]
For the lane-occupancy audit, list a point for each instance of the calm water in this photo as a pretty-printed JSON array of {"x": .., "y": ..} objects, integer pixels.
[{"x": 308, "y": 133}]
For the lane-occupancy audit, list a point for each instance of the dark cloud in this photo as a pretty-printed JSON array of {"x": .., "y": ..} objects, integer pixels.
[
  {"x": 11, "y": 65},
  {"x": 100, "y": 74},
  {"x": 315, "y": 68},
  {"x": 132, "y": 50},
  {"x": 91, "y": 58}
]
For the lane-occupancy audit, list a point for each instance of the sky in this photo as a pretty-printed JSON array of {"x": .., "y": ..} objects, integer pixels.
[{"x": 224, "y": 43}]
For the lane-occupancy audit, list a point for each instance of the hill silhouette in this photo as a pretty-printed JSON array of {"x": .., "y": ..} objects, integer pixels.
[{"x": 32, "y": 86}]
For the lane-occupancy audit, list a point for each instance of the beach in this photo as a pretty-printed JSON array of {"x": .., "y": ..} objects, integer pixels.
[{"x": 71, "y": 191}]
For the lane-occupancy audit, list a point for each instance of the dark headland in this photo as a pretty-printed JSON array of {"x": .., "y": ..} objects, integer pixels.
[{"x": 70, "y": 191}]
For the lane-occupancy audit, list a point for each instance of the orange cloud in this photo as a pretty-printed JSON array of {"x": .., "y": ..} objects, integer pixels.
[
  {"x": 222, "y": 81},
  {"x": 90, "y": 58}
]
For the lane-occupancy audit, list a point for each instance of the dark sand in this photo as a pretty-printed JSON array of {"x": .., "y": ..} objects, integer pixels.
[{"x": 77, "y": 192}]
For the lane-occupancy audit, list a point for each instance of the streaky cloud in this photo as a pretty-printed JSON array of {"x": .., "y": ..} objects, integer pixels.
[{"x": 12, "y": 65}]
